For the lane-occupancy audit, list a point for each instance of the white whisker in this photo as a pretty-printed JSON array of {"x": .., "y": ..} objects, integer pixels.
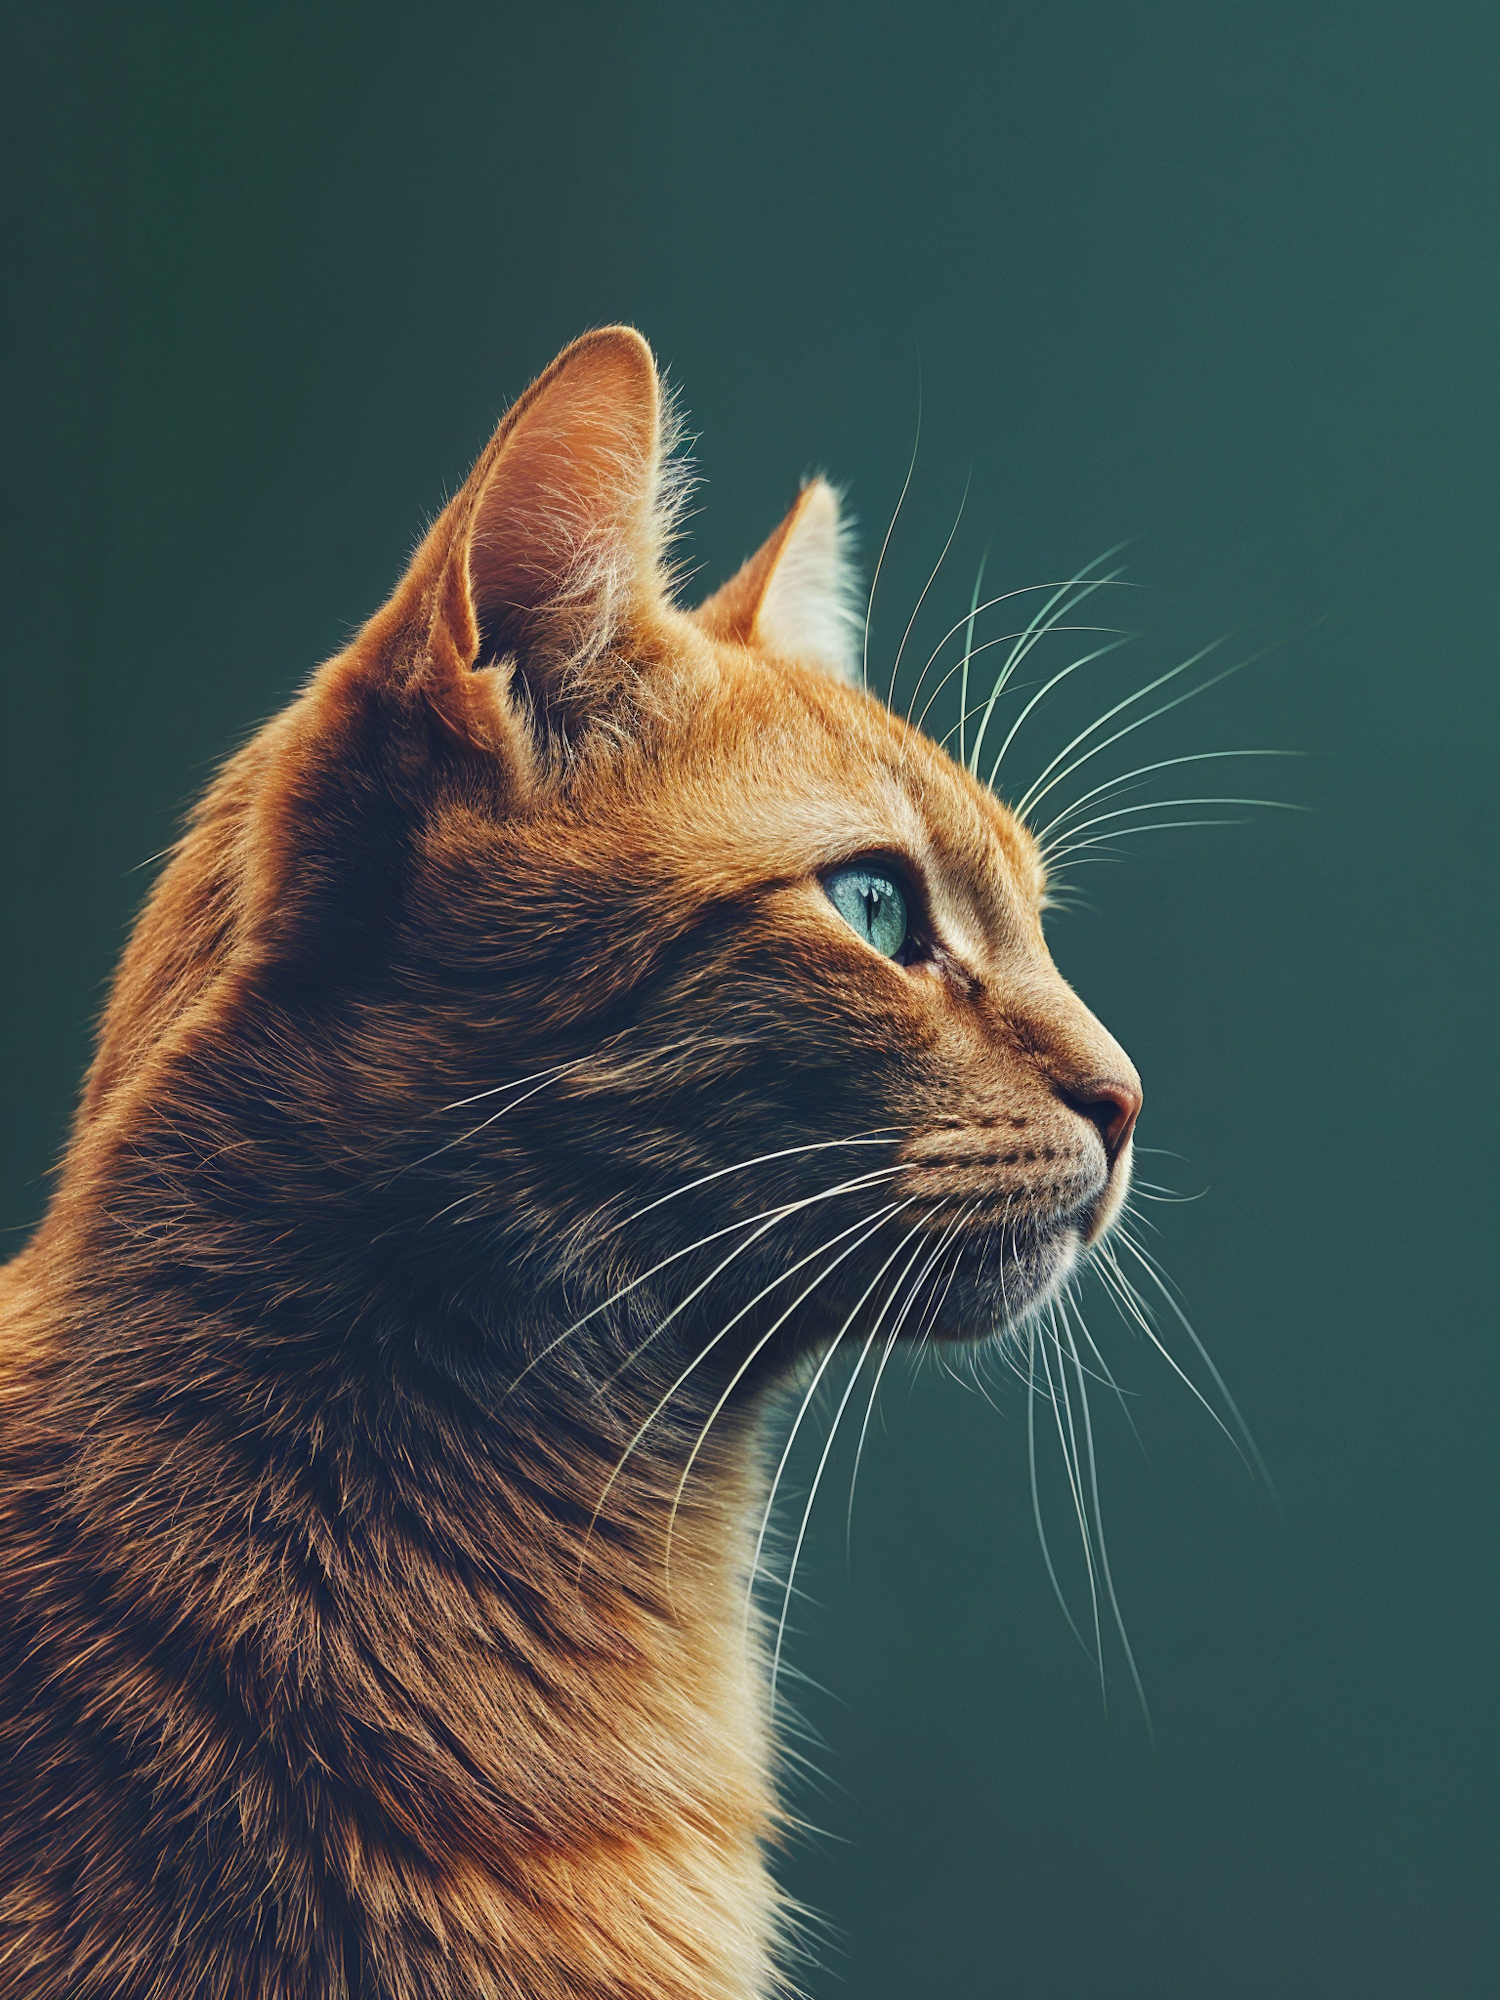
[
  {"x": 833, "y": 1428},
  {"x": 1104, "y": 1368},
  {"x": 768, "y": 1216},
  {"x": 1074, "y": 1467},
  {"x": 1145, "y": 771},
  {"x": 1032, "y": 1336},
  {"x": 765, "y": 1519},
  {"x": 516, "y": 1082},
  {"x": 546, "y": 1076},
  {"x": 963, "y": 686},
  {"x": 1104, "y": 1568},
  {"x": 886, "y": 1352},
  {"x": 1101, "y": 844},
  {"x": 864, "y": 662},
  {"x": 1029, "y": 637},
  {"x": 881, "y": 1217},
  {"x": 877, "y": 1135},
  {"x": 1038, "y": 791},
  {"x": 1099, "y": 653},
  {"x": 866, "y": 1223},
  {"x": 1135, "y": 1308},
  {"x": 1005, "y": 639},
  {"x": 976, "y": 609},
  {"x": 916, "y": 608},
  {"x": 1167, "y": 805},
  {"x": 1158, "y": 1278}
]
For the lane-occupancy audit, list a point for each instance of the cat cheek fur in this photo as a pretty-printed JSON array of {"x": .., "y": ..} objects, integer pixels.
[{"x": 406, "y": 1256}]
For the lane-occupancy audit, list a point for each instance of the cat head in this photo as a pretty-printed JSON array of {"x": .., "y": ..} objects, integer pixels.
[{"x": 561, "y": 946}]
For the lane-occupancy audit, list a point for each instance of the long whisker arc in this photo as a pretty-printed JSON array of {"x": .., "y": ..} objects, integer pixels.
[
  {"x": 1101, "y": 844},
  {"x": 1104, "y": 1568},
  {"x": 977, "y": 609},
  {"x": 963, "y": 686},
  {"x": 881, "y": 1217},
  {"x": 1131, "y": 1302},
  {"x": 1069, "y": 1441},
  {"x": 1144, "y": 771},
  {"x": 1032, "y": 1337},
  {"x": 926, "y": 587},
  {"x": 1163, "y": 805},
  {"x": 1005, "y": 639},
  {"x": 786, "y": 1598},
  {"x": 770, "y": 1216},
  {"x": 864, "y": 663},
  {"x": 874, "y": 1136},
  {"x": 539, "y": 1080},
  {"x": 1158, "y": 1278},
  {"x": 1073, "y": 666},
  {"x": 765, "y": 1519},
  {"x": 1038, "y": 791},
  {"x": 886, "y": 1353},
  {"x": 1033, "y": 632},
  {"x": 867, "y": 1224},
  {"x": 1104, "y": 1369}
]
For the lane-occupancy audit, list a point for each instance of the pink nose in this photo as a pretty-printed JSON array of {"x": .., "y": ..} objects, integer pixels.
[{"x": 1112, "y": 1106}]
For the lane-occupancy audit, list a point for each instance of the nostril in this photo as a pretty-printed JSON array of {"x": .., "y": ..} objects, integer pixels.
[{"x": 1113, "y": 1107}]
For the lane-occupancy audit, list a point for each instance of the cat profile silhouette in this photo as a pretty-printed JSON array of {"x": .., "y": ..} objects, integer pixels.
[{"x": 570, "y": 1015}]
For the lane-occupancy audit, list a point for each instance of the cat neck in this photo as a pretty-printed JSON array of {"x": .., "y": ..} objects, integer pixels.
[{"x": 500, "y": 1693}]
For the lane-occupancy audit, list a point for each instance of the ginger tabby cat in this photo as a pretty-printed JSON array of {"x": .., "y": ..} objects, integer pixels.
[{"x": 570, "y": 1012}]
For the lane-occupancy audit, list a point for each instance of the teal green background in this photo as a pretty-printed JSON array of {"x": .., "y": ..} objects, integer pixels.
[{"x": 1222, "y": 277}]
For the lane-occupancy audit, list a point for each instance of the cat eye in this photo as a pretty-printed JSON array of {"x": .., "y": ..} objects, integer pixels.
[{"x": 871, "y": 904}]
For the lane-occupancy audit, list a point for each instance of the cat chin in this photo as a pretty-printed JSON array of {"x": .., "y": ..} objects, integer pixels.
[{"x": 1001, "y": 1293}]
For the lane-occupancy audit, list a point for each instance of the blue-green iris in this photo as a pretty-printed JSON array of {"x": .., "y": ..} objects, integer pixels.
[{"x": 871, "y": 904}]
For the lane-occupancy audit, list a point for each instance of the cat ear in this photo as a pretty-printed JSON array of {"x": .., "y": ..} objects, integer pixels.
[
  {"x": 555, "y": 540},
  {"x": 560, "y": 533},
  {"x": 798, "y": 595}
]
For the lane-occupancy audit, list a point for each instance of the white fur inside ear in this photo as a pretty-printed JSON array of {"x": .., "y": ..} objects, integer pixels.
[{"x": 812, "y": 608}]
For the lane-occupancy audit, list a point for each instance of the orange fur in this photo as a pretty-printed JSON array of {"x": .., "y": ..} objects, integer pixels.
[{"x": 343, "y": 1408}]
